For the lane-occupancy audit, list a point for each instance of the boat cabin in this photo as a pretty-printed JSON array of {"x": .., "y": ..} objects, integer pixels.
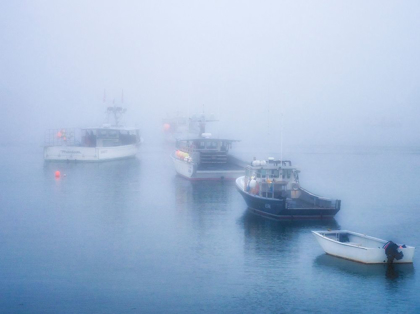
[
  {"x": 108, "y": 137},
  {"x": 205, "y": 150},
  {"x": 272, "y": 179},
  {"x": 92, "y": 137}
]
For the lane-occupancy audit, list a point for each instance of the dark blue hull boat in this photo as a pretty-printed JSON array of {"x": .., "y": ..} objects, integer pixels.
[{"x": 306, "y": 206}]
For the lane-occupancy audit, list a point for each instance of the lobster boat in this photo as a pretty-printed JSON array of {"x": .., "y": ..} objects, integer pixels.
[
  {"x": 362, "y": 248},
  {"x": 108, "y": 142},
  {"x": 206, "y": 158},
  {"x": 271, "y": 188}
]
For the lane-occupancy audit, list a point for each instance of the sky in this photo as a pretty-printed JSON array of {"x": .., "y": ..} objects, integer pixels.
[{"x": 317, "y": 72}]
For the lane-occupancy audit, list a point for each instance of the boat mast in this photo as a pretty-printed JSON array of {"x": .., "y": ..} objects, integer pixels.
[{"x": 281, "y": 138}]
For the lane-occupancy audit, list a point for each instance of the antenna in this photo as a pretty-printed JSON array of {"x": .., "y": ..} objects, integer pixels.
[
  {"x": 281, "y": 137},
  {"x": 117, "y": 112}
]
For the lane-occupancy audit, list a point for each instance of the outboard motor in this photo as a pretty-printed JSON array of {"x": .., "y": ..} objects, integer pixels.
[{"x": 391, "y": 251}]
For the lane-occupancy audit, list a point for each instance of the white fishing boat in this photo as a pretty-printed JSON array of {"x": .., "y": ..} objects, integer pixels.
[
  {"x": 363, "y": 248},
  {"x": 200, "y": 156},
  {"x": 107, "y": 142},
  {"x": 206, "y": 158}
]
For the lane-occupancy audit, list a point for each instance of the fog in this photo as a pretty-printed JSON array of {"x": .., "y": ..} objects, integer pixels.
[{"x": 338, "y": 72}]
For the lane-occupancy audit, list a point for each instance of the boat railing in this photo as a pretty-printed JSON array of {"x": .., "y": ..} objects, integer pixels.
[
  {"x": 61, "y": 137},
  {"x": 319, "y": 201}
]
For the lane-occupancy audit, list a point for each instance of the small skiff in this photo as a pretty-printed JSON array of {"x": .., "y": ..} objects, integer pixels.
[{"x": 362, "y": 248}]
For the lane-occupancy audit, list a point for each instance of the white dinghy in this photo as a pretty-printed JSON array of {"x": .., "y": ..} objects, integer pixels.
[{"x": 362, "y": 248}]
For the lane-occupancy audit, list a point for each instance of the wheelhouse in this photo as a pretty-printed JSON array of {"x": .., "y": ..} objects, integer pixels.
[
  {"x": 108, "y": 137},
  {"x": 272, "y": 179},
  {"x": 275, "y": 169},
  {"x": 92, "y": 137}
]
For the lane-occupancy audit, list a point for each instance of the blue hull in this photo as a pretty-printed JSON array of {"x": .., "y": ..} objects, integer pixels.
[{"x": 286, "y": 208}]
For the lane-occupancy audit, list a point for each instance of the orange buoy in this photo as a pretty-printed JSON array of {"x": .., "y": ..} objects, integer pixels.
[
  {"x": 166, "y": 126},
  {"x": 57, "y": 174}
]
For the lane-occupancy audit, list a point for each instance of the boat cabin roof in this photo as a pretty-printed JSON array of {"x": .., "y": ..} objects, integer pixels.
[{"x": 272, "y": 164}]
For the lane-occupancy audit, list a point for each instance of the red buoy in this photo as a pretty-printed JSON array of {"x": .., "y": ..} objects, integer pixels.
[{"x": 57, "y": 174}]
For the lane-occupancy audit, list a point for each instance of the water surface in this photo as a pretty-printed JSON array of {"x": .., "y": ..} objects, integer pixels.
[{"x": 132, "y": 237}]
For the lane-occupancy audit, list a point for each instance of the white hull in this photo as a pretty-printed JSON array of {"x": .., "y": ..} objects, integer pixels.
[
  {"x": 360, "y": 248},
  {"x": 81, "y": 153},
  {"x": 189, "y": 170}
]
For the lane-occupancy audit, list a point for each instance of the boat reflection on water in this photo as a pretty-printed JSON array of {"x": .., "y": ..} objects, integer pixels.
[
  {"x": 202, "y": 195},
  {"x": 270, "y": 235},
  {"x": 390, "y": 271},
  {"x": 205, "y": 206}
]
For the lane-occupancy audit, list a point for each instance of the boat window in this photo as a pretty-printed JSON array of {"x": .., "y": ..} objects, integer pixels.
[
  {"x": 89, "y": 139},
  {"x": 113, "y": 133},
  {"x": 263, "y": 173},
  {"x": 108, "y": 134},
  {"x": 202, "y": 145},
  {"x": 258, "y": 174},
  {"x": 212, "y": 145},
  {"x": 274, "y": 173},
  {"x": 102, "y": 133}
]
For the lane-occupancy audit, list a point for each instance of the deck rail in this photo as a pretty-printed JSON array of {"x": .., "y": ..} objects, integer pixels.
[
  {"x": 61, "y": 137},
  {"x": 320, "y": 201}
]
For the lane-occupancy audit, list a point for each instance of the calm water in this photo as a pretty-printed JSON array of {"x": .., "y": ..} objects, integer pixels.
[{"x": 132, "y": 237}]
